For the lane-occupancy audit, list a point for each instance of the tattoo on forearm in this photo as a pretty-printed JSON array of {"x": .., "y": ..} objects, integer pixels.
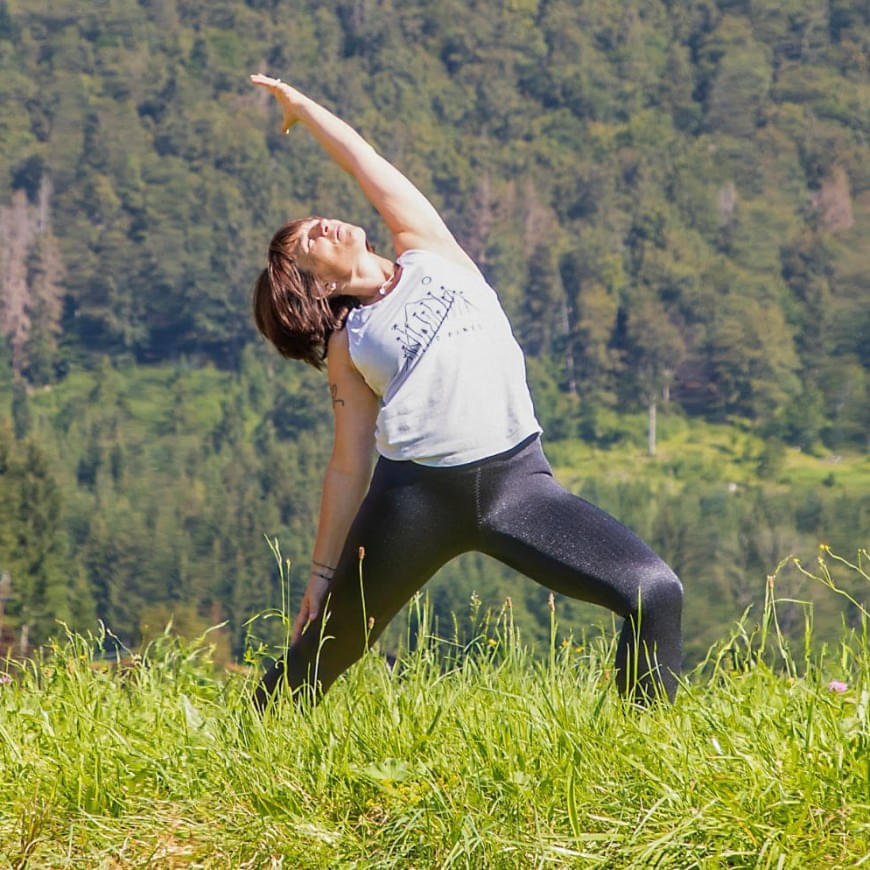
[{"x": 333, "y": 389}]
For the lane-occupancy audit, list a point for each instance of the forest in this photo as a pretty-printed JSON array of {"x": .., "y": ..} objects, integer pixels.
[{"x": 671, "y": 198}]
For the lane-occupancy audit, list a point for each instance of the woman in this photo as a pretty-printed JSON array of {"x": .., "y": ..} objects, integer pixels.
[{"x": 422, "y": 365}]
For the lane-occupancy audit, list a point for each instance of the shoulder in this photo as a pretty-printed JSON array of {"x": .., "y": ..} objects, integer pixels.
[
  {"x": 354, "y": 402},
  {"x": 338, "y": 350},
  {"x": 445, "y": 248},
  {"x": 439, "y": 261},
  {"x": 339, "y": 362}
]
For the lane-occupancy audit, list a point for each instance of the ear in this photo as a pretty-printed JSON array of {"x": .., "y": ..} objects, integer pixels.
[{"x": 328, "y": 289}]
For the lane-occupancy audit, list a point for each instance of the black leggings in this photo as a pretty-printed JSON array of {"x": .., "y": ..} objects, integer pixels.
[{"x": 416, "y": 518}]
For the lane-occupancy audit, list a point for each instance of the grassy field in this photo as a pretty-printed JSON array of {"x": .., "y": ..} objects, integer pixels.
[{"x": 487, "y": 756}]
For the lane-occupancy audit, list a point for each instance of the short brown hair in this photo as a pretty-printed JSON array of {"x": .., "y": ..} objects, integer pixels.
[{"x": 291, "y": 305}]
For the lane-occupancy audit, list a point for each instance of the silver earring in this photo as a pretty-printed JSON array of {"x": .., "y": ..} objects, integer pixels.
[{"x": 331, "y": 286}]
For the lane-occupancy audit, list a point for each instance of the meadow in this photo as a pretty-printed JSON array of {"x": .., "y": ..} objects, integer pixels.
[
  {"x": 482, "y": 754},
  {"x": 673, "y": 201}
]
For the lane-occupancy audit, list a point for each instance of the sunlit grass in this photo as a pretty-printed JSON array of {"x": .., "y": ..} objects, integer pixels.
[{"x": 483, "y": 756}]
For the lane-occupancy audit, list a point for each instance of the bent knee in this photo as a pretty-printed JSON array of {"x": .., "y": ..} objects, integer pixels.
[{"x": 660, "y": 588}]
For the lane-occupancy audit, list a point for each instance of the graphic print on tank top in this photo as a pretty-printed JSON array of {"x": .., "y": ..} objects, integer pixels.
[{"x": 436, "y": 315}]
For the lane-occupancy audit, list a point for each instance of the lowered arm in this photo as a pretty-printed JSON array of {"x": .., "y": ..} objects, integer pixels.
[{"x": 347, "y": 474}]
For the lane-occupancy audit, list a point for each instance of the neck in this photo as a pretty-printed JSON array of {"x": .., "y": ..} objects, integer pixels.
[{"x": 373, "y": 276}]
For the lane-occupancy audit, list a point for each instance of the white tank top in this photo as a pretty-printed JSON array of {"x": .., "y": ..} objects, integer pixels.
[{"x": 440, "y": 354}]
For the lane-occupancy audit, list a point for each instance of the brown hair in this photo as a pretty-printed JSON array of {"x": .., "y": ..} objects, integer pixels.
[{"x": 291, "y": 305}]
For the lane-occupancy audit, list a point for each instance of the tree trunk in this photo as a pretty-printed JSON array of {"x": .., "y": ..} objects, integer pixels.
[
  {"x": 651, "y": 437},
  {"x": 570, "y": 364}
]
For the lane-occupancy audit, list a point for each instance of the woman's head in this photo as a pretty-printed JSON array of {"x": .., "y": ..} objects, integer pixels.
[{"x": 297, "y": 298}]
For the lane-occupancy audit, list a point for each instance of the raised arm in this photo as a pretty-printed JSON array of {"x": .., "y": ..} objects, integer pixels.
[{"x": 410, "y": 217}]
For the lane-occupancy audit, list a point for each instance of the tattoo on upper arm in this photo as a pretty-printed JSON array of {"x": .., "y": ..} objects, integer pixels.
[{"x": 333, "y": 390}]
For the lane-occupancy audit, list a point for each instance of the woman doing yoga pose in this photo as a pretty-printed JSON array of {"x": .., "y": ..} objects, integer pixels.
[{"x": 422, "y": 366}]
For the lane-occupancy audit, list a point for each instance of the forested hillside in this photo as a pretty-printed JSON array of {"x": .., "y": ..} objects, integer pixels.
[{"x": 672, "y": 198}]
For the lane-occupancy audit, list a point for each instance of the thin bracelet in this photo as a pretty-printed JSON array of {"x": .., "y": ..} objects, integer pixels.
[
  {"x": 322, "y": 576},
  {"x": 323, "y": 565}
]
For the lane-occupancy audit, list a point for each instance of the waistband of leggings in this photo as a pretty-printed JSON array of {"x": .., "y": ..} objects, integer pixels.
[
  {"x": 505, "y": 454},
  {"x": 528, "y": 441}
]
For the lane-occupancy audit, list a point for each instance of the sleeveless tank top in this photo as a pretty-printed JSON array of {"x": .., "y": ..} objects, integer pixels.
[{"x": 440, "y": 354}]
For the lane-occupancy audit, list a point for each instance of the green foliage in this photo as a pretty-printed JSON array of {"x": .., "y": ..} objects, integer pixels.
[
  {"x": 166, "y": 480},
  {"x": 587, "y": 155},
  {"x": 34, "y": 547},
  {"x": 671, "y": 199}
]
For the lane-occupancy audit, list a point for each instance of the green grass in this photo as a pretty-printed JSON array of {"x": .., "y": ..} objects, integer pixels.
[{"x": 487, "y": 756}]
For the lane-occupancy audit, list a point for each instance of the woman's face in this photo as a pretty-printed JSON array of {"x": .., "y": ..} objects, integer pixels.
[{"x": 330, "y": 248}]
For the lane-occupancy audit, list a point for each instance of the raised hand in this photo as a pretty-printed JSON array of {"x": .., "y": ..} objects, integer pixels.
[
  {"x": 289, "y": 98},
  {"x": 410, "y": 217}
]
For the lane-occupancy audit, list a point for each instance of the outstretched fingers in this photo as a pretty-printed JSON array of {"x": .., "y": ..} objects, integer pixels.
[{"x": 286, "y": 96}]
